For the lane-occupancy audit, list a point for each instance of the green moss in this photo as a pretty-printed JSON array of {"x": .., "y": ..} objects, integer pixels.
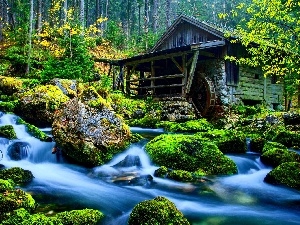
[
  {"x": 181, "y": 175},
  {"x": 286, "y": 174},
  {"x": 149, "y": 120},
  {"x": 192, "y": 126},
  {"x": 6, "y": 185},
  {"x": 288, "y": 138},
  {"x": 34, "y": 131},
  {"x": 270, "y": 145},
  {"x": 16, "y": 199},
  {"x": 99, "y": 103},
  {"x": 8, "y": 106},
  {"x": 8, "y": 132},
  {"x": 80, "y": 217},
  {"x": 228, "y": 141},
  {"x": 190, "y": 153},
  {"x": 275, "y": 156},
  {"x": 257, "y": 142},
  {"x": 159, "y": 211},
  {"x": 41, "y": 219},
  {"x": 161, "y": 172},
  {"x": 135, "y": 137},
  {"x": 17, "y": 217},
  {"x": 17, "y": 174},
  {"x": 10, "y": 85}
]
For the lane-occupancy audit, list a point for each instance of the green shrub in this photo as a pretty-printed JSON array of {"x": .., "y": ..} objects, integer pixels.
[
  {"x": 286, "y": 174},
  {"x": 7, "y": 131},
  {"x": 159, "y": 211}
]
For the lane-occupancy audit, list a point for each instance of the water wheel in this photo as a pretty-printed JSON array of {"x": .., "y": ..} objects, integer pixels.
[{"x": 203, "y": 94}]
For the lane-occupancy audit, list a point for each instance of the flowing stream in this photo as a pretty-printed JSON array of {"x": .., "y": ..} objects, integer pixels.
[{"x": 115, "y": 188}]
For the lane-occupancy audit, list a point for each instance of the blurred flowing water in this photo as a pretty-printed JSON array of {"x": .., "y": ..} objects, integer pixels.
[{"x": 115, "y": 188}]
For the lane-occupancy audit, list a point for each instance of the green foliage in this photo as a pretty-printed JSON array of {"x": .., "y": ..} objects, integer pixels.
[
  {"x": 200, "y": 125},
  {"x": 161, "y": 171},
  {"x": 115, "y": 35},
  {"x": 10, "y": 85},
  {"x": 190, "y": 153},
  {"x": 34, "y": 131},
  {"x": 8, "y": 106},
  {"x": 7, "y": 131},
  {"x": 275, "y": 156},
  {"x": 272, "y": 40},
  {"x": 41, "y": 219},
  {"x": 246, "y": 111},
  {"x": 271, "y": 145},
  {"x": 228, "y": 141},
  {"x": 80, "y": 217},
  {"x": 159, "y": 211},
  {"x": 17, "y": 174},
  {"x": 257, "y": 142},
  {"x": 6, "y": 185},
  {"x": 288, "y": 138},
  {"x": 286, "y": 174}
]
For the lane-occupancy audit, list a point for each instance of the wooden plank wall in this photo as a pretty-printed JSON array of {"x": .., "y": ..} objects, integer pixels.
[{"x": 187, "y": 34}]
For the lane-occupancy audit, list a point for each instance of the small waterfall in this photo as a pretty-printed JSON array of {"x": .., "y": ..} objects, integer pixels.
[
  {"x": 248, "y": 140},
  {"x": 248, "y": 163}
]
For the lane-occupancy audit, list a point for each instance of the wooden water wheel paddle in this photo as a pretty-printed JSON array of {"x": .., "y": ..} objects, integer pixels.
[{"x": 203, "y": 94}]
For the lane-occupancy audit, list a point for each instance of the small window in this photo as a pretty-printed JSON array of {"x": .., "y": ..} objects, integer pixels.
[
  {"x": 256, "y": 76},
  {"x": 274, "y": 79}
]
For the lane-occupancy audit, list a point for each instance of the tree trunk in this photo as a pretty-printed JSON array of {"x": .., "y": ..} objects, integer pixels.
[
  {"x": 81, "y": 15},
  {"x": 168, "y": 13},
  {"x": 65, "y": 11},
  {"x": 2, "y": 13},
  {"x": 106, "y": 14},
  {"x": 39, "y": 17},
  {"x": 155, "y": 16},
  {"x": 30, "y": 36}
]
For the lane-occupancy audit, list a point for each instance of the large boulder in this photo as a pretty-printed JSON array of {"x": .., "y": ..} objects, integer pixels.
[
  {"x": 68, "y": 87},
  {"x": 189, "y": 153},
  {"x": 89, "y": 133},
  {"x": 37, "y": 106},
  {"x": 7, "y": 131},
  {"x": 276, "y": 156},
  {"x": 159, "y": 211},
  {"x": 18, "y": 150},
  {"x": 287, "y": 174}
]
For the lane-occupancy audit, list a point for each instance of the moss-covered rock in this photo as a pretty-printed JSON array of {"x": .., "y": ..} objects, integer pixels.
[
  {"x": 181, "y": 175},
  {"x": 17, "y": 174},
  {"x": 190, "y": 153},
  {"x": 87, "y": 135},
  {"x": 228, "y": 141},
  {"x": 34, "y": 131},
  {"x": 276, "y": 156},
  {"x": 68, "y": 87},
  {"x": 8, "y": 106},
  {"x": 37, "y": 106},
  {"x": 80, "y": 217},
  {"x": 257, "y": 142},
  {"x": 6, "y": 185},
  {"x": 18, "y": 216},
  {"x": 7, "y": 131},
  {"x": 288, "y": 138},
  {"x": 15, "y": 199},
  {"x": 192, "y": 126},
  {"x": 149, "y": 120},
  {"x": 159, "y": 211},
  {"x": 41, "y": 219},
  {"x": 286, "y": 173},
  {"x": 271, "y": 145},
  {"x": 10, "y": 85},
  {"x": 161, "y": 171}
]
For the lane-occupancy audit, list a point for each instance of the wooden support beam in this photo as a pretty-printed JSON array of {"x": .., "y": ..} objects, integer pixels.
[
  {"x": 152, "y": 76},
  {"x": 192, "y": 72},
  {"x": 158, "y": 78},
  {"x": 185, "y": 74},
  {"x": 177, "y": 64},
  {"x": 114, "y": 79},
  {"x": 159, "y": 86},
  {"x": 128, "y": 83}
]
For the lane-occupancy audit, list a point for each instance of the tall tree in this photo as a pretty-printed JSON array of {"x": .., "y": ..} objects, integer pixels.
[
  {"x": 81, "y": 14},
  {"x": 30, "y": 36}
]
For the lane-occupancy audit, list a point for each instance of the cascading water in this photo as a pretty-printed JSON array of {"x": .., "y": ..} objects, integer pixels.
[{"x": 115, "y": 188}]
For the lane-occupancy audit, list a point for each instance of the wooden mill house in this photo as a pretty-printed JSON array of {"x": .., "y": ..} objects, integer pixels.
[{"x": 188, "y": 61}]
